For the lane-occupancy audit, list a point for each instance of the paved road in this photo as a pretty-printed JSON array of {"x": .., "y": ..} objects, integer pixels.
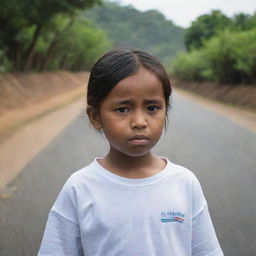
[{"x": 219, "y": 152}]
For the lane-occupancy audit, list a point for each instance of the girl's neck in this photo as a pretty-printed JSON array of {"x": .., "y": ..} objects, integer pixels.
[{"x": 132, "y": 167}]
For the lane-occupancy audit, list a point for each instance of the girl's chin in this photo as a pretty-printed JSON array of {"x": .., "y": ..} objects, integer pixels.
[{"x": 135, "y": 153}]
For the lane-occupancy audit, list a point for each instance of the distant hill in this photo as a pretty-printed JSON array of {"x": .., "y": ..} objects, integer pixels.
[{"x": 148, "y": 30}]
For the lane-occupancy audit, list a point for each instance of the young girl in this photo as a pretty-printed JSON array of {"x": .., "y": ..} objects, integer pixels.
[{"x": 130, "y": 202}]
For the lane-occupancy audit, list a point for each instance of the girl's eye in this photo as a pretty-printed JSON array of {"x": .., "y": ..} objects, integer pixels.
[
  {"x": 153, "y": 108},
  {"x": 121, "y": 110}
]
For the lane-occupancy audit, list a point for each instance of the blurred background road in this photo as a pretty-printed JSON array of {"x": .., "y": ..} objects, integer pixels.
[{"x": 219, "y": 152}]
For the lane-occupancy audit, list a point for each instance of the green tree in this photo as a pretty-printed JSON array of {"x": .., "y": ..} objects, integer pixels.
[
  {"x": 204, "y": 27},
  {"x": 220, "y": 57},
  {"x": 244, "y": 48},
  {"x": 72, "y": 44},
  {"x": 229, "y": 57},
  {"x": 78, "y": 47},
  {"x": 19, "y": 15},
  {"x": 190, "y": 66},
  {"x": 243, "y": 21}
]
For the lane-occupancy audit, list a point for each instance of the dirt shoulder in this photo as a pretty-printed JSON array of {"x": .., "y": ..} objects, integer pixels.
[
  {"x": 22, "y": 102},
  {"x": 240, "y": 95},
  {"x": 242, "y": 117},
  {"x": 27, "y": 142},
  {"x": 49, "y": 118},
  {"x": 27, "y": 128}
]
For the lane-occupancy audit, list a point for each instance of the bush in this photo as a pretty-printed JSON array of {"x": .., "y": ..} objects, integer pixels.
[
  {"x": 219, "y": 53},
  {"x": 244, "y": 47},
  {"x": 229, "y": 57},
  {"x": 190, "y": 66}
]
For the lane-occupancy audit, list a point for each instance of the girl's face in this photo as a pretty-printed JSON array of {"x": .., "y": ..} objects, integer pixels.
[{"x": 132, "y": 116}]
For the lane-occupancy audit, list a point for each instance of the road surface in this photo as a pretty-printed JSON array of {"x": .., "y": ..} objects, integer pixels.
[{"x": 218, "y": 151}]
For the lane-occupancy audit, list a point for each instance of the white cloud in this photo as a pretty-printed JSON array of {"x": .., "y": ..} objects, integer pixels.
[{"x": 183, "y": 12}]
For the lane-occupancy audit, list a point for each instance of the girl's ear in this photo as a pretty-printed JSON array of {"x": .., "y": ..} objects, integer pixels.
[{"x": 94, "y": 117}]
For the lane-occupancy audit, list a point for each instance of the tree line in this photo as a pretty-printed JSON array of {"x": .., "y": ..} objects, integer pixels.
[
  {"x": 61, "y": 34},
  {"x": 48, "y": 35},
  {"x": 219, "y": 49},
  {"x": 71, "y": 35}
]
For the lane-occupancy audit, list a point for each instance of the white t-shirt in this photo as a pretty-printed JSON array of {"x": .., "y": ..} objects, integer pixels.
[{"x": 99, "y": 213}]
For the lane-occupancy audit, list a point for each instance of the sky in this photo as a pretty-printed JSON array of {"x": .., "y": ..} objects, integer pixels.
[{"x": 183, "y": 12}]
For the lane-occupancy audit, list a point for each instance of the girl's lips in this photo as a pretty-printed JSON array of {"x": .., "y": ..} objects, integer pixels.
[{"x": 138, "y": 140}]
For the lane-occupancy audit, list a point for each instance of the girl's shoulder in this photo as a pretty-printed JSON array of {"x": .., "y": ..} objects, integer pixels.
[
  {"x": 181, "y": 171},
  {"x": 87, "y": 172},
  {"x": 78, "y": 183}
]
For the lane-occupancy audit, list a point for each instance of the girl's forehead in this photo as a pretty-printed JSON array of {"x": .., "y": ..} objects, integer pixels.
[{"x": 142, "y": 82}]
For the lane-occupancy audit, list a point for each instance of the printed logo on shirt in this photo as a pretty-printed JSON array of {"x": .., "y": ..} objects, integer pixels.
[{"x": 172, "y": 217}]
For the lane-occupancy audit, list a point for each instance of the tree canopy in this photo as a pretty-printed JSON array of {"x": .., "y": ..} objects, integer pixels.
[
  {"x": 204, "y": 27},
  {"x": 24, "y": 22},
  {"x": 219, "y": 49}
]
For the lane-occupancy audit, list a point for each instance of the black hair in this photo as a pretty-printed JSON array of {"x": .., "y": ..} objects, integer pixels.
[{"x": 118, "y": 64}]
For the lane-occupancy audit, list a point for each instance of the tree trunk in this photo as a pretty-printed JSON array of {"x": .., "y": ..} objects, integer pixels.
[
  {"x": 17, "y": 57},
  {"x": 37, "y": 60},
  {"x": 48, "y": 56},
  {"x": 63, "y": 62},
  {"x": 30, "y": 51},
  {"x": 54, "y": 43}
]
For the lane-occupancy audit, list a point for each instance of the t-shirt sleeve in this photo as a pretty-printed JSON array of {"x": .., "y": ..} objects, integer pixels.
[
  {"x": 204, "y": 239},
  {"x": 62, "y": 233}
]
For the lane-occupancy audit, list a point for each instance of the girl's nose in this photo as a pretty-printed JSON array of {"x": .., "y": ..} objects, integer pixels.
[{"x": 138, "y": 120}]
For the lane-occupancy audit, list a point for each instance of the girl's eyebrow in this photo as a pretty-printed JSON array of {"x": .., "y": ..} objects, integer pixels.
[
  {"x": 153, "y": 101},
  {"x": 121, "y": 102},
  {"x": 130, "y": 101}
]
